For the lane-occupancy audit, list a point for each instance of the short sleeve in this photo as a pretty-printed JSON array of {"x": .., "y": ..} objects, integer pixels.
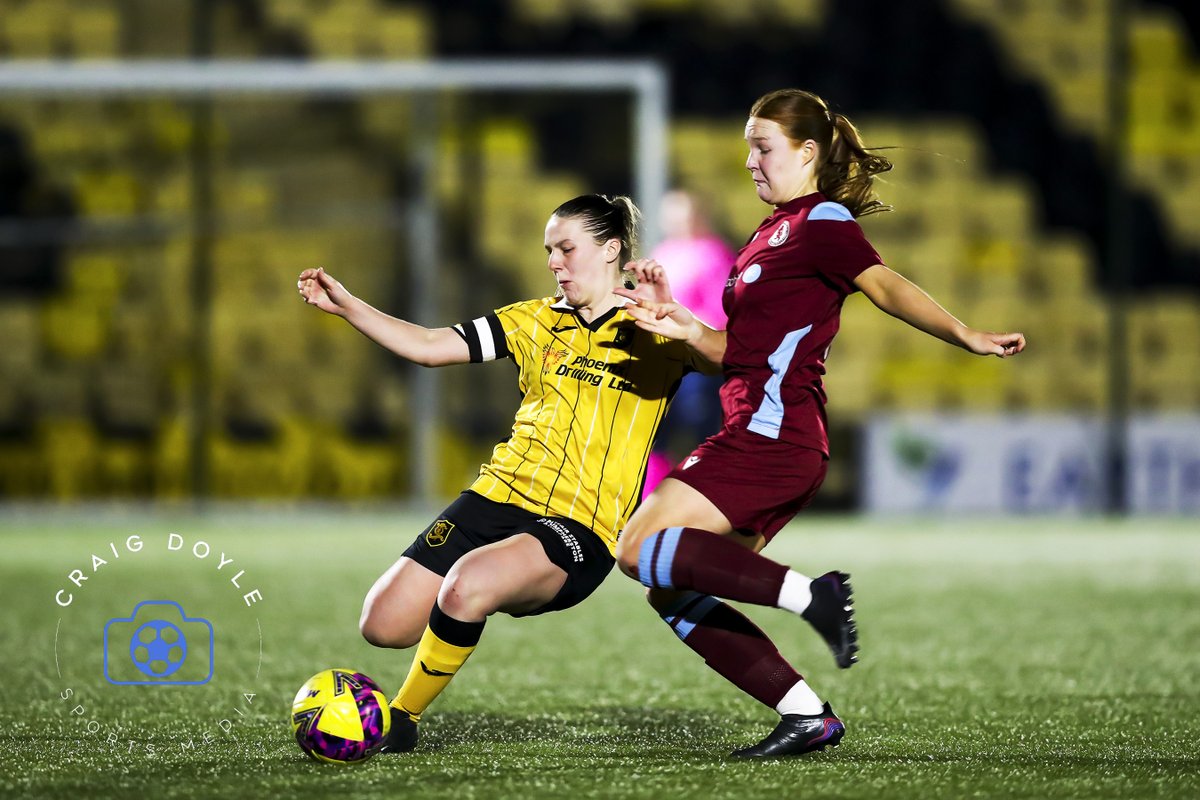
[
  {"x": 484, "y": 337},
  {"x": 839, "y": 249},
  {"x": 675, "y": 351}
]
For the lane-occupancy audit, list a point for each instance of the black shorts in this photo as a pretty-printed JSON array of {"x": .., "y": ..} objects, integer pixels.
[{"x": 472, "y": 521}]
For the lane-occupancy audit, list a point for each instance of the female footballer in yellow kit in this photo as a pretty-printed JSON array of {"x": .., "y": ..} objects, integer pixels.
[{"x": 536, "y": 532}]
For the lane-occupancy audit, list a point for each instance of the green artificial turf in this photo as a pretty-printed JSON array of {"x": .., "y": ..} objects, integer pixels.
[{"x": 1001, "y": 658}]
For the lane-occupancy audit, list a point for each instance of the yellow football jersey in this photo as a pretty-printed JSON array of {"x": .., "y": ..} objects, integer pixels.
[{"x": 593, "y": 395}]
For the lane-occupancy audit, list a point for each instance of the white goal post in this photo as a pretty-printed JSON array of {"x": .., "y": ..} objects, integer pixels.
[{"x": 646, "y": 81}]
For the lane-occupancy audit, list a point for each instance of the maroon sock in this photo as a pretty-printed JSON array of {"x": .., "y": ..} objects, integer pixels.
[
  {"x": 711, "y": 564},
  {"x": 734, "y": 647}
]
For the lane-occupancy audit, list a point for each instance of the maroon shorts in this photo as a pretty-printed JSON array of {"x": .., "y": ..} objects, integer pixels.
[{"x": 759, "y": 484}]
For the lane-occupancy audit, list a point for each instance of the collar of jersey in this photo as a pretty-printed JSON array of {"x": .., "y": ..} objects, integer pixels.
[
  {"x": 562, "y": 305},
  {"x": 798, "y": 203}
]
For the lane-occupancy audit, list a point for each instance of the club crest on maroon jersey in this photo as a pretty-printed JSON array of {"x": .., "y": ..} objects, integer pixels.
[{"x": 780, "y": 235}]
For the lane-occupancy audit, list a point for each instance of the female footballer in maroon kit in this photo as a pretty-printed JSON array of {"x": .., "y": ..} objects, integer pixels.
[{"x": 697, "y": 536}]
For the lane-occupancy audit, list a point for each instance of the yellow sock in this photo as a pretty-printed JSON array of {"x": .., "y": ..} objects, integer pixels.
[{"x": 433, "y": 666}]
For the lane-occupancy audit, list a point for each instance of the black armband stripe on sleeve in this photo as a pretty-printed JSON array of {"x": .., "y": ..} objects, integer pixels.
[
  {"x": 498, "y": 338},
  {"x": 485, "y": 338},
  {"x": 471, "y": 336}
]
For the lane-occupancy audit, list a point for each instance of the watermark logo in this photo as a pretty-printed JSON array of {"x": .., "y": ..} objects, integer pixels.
[
  {"x": 198, "y": 648},
  {"x": 157, "y": 648}
]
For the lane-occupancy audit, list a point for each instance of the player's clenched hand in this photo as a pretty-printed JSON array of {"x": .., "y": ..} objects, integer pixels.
[
  {"x": 320, "y": 289},
  {"x": 666, "y": 319},
  {"x": 652, "y": 281},
  {"x": 986, "y": 343}
]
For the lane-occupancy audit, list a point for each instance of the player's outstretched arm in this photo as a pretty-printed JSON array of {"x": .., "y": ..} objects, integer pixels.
[
  {"x": 429, "y": 347},
  {"x": 906, "y": 301},
  {"x": 676, "y": 322}
]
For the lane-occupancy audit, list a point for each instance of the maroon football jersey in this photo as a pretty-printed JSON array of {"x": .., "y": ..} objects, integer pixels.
[{"x": 784, "y": 299}]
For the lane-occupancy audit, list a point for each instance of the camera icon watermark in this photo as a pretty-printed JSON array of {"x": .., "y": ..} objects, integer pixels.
[{"x": 158, "y": 644}]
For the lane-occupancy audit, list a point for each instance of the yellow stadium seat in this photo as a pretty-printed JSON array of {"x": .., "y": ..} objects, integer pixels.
[
  {"x": 1086, "y": 331},
  {"x": 459, "y": 461},
  {"x": 74, "y": 329},
  {"x": 247, "y": 195},
  {"x": 1035, "y": 386},
  {"x": 96, "y": 277},
  {"x": 169, "y": 127},
  {"x": 69, "y": 447},
  {"x": 1169, "y": 384},
  {"x": 667, "y": 6},
  {"x": 1081, "y": 386},
  {"x": 952, "y": 148},
  {"x": 138, "y": 332},
  {"x": 904, "y": 223},
  {"x": 1183, "y": 209},
  {"x": 22, "y": 470},
  {"x": 356, "y": 470},
  {"x": 124, "y": 467},
  {"x": 1156, "y": 44},
  {"x": 977, "y": 385},
  {"x": 171, "y": 460},
  {"x": 547, "y": 13},
  {"x": 507, "y": 148},
  {"x": 934, "y": 263},
  {"x": 280, "y": 467},
  {"x": 850, "y": 386},
  {"x": 796, "y": 13},
  {"x": 1083, "y": 101},
  {"x": 58, "y": 137},
  {"x": 292, "y": 12},
  {"x": 21, "y": 332},
  {"x": 610, "y": 13},
  {"x": 388, "y": 119},
  {"x": 1061, "y": 268},
  {"x": 36, "y": 28},
  {"x": 93, "y": 30},
  {"x": 108, "y": 193},
  {"x": 1164, "y": 332},
  {"x": 863, "y": 333},
  {"x": 918, "y": 384},
  {"x": 343, "y": 29},
  {"x": 723, "y": 13},
  {"x": 1002, "y": 210}
]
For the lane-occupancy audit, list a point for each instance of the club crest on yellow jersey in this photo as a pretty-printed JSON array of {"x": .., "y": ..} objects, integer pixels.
[{"x": 551, "y": 355}]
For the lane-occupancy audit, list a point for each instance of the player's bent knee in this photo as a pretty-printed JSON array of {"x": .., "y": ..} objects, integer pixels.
[
  {"x": 464, "y": 595},
  {"x": 377, "y": 634},
  {"x": 381, "y": 631}
]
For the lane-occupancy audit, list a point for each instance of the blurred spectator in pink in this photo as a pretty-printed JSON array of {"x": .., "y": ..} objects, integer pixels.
[{"x": 697, "y": 262}]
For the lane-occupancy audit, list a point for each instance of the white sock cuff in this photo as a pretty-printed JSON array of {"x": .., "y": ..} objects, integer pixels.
[
  {"x": 800, "y": 699},
  {"x": 796, "y": 592}
]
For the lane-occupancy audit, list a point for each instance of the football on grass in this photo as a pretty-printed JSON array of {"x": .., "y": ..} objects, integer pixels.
[{"x": 340, "y": 716}]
